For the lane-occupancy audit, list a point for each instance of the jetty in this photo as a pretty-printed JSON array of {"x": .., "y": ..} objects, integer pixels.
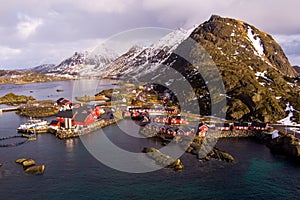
[{"x": 9, "y": 109}]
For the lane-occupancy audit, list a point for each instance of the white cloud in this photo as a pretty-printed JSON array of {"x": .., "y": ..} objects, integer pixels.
[
  {"x": 7, "y": 53},
  {"x": 103, "y": 6},
  {"x": 56, "y": 22},
  {"x": 27, "y": 26},
  {"x": 291, "y": 46},
  {"x": 281, "y": 17}
]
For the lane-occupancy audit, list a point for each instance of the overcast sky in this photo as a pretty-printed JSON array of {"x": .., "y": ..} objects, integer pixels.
[{"x": 34, "y": 32}]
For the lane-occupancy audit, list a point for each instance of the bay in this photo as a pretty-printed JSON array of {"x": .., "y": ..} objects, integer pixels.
[{"x": 73, "y": 173}]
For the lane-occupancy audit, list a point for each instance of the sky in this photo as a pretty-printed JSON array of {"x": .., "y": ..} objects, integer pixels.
[{"x": 35, "y": 32}]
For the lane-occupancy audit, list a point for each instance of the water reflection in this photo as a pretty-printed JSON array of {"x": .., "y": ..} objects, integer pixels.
[{"x": 70, "y": 144}]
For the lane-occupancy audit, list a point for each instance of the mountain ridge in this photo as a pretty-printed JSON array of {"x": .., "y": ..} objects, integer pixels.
[{"x": 258, "y": 78}]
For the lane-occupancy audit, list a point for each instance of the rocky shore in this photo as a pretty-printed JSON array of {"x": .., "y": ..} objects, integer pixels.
[
  {"x": 285, "y": 144},
  {"x": 38, "y": 109},
  {"x": 163, "y": 159},
  {"x": 198, "y": 146}
]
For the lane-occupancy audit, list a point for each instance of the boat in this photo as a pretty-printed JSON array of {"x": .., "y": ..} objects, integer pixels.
[{"x": 31, "y": 124}]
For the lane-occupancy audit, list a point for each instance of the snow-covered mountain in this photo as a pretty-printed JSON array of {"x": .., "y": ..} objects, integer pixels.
[
  {"x": 105, "y": 62},
  {"x": 81, "y": 63},
  {"x": 144, "y": 59},
  {"x": 44, "y": 68}
]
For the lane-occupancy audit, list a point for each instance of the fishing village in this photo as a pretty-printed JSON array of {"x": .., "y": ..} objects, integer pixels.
[{"x": 157, "y": 117}]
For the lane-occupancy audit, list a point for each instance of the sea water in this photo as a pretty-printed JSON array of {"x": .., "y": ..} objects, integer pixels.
[{"x": 73, "y": 173}]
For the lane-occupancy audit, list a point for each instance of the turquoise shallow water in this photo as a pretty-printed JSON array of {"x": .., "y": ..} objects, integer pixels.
[{"x": 73, "y": 173}]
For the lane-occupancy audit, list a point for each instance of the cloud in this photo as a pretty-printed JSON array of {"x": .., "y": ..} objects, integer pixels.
[
  {"x": 103, "y": 6},
  {"x": 8, "y": 53},
  {"x": 27, "y": 26},
  {"x": 52, "y": 23},
  {"x": 291, "y": 46},
  {"x": 35, "y": 54},
  {"x": 273, "y": 16}
]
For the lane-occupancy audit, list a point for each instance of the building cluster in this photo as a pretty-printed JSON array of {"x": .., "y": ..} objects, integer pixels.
[{"x": 75, "y": 115}]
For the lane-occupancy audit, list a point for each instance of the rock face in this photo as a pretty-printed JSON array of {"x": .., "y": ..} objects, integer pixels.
[
  {"x": 241, "y": 43},
  {"x": 286, "y": 144},
  {"x": 297, "y": 69}
]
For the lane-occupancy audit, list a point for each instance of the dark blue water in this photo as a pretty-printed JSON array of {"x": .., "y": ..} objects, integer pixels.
[{"x": 73, "y": 173}]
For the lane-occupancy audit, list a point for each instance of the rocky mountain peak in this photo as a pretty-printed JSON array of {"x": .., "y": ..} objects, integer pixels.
[
  {"x": 236, "y": 42},
  {"x": 258, "y": 78}
]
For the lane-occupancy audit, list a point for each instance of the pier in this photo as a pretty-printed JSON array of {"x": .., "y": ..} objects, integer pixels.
[{"x": 9, "y": 109}]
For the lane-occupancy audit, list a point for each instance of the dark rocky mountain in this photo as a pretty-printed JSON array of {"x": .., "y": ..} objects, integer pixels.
[
  {"x": 258, "y": 77},
  {"x": 297, "y": 69}
]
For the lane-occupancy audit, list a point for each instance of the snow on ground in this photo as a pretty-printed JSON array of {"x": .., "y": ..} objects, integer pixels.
[
  {"x": 262, "y": 84},
  {"x": 289, "y": 107},
  {"x": 256, "y": 42},
  {"x": 291, "y": 84},
  {"x": 287, "y": 120},
  {"x": 262, "y": 75},
  {"x": 258, "y": 45},
  {"x": 225, "y": 95}
]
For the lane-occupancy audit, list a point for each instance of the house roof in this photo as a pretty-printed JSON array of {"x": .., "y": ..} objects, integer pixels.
[
  {"x": 81, "y": 117},
  {"x": 66, "y": 114}
]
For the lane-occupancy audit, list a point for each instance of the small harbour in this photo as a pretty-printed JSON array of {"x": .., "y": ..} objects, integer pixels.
[{"x": 73, "y": 173}]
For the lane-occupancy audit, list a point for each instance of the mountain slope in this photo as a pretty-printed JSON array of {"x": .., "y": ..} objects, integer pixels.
[
  {"x": 253, "y": 67},
  {"x": 44, "y": 68},
  {"x": 81, "y": 63},
  {"x": 297, "y": 69},
  {"x": 144, "y": 59}
]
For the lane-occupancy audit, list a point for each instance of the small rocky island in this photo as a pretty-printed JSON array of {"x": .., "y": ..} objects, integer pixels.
[
  {"x": 28, "y": 106},
  {"x": 15, "y": 100}
]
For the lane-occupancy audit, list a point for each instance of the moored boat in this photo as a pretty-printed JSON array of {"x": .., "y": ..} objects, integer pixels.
[{"x": 31, "y": 124}]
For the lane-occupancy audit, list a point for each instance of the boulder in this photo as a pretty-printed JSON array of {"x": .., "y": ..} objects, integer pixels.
[
  {"x": 163, "y": 159},
  {"x": 37, "y": 170},
  {"x": 21, "y": 160},
  {"x": 28, "y": 163}
]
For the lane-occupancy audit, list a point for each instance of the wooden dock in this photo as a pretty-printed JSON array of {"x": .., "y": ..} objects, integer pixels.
[{"x": 8, "y": 109}]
